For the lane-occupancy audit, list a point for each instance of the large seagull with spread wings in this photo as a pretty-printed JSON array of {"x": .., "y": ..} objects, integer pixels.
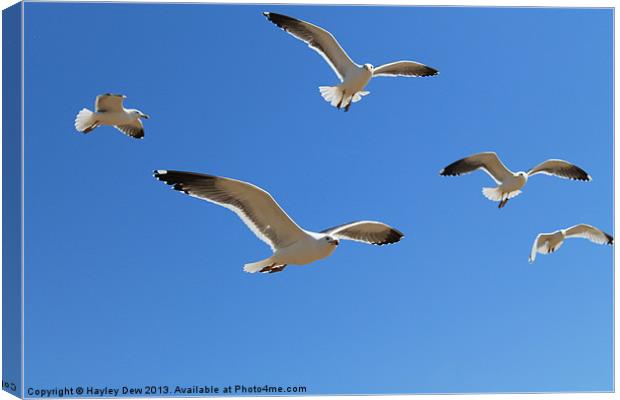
[
  {"x": 509, "y": 183},
  {"x": 109, "y": 110},
  {"x": 354, "y": 77},
  {"x": 259, "y": 211}
]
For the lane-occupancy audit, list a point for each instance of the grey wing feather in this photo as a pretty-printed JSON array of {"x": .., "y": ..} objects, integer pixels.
[
  {"x": 591, "y": 233},
  {"x": 404, "y": 68},
  {"x": 541, "y": 245},
  {"x": 134, "y": 129},
  {"x": 256, "y": 208},
  {"x": 317, "y": 39},
  {"x": 109, "y": 102},
  {"x": 487, "y": 161},
  {"x": 371, "y": 232},
  {"x": 534, "y": 250},
  {"x": 560, "y": 168}
]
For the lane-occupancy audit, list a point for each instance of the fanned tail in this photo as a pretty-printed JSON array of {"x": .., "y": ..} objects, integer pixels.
[
  {"x": 497, "y": 194},
  {"x": 337, "y": 97},
  {"x": 84, "y": 121},
  {"x": 358, "y": 96},
  {"x": 493, "y": 194}
]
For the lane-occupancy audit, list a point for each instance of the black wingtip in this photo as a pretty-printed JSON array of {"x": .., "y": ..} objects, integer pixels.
[
  {"x": 114, "y": 95},
  {"x": 394, "y": 236},
  {"x": 581, "y": 175},
  {"x": 159, "y": 173},
  {"x": 443, "y": 172},
  {"x": 430, "y": 71},
  {"x": 279, "y": 19},
  {"x": 610, "y": 239},
  {"x": 454, "y": 169}
]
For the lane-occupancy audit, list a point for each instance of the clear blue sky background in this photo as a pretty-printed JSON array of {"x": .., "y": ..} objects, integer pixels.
[{"x": 131, "y": 283}]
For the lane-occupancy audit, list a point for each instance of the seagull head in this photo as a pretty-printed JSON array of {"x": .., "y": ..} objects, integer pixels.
[
  {"x": 522, "y": 175},
  {"x": 139, "y": 114},
  {"x": 369, "y": 67},
  {"x": 331, "y": 240}
]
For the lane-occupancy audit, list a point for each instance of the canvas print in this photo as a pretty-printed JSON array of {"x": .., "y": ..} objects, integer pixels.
[{"x": 230, "y": 200}]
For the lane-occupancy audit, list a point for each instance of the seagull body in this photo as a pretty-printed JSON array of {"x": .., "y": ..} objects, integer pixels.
[
  {"x": 509, "y": 183},
  {"x": 261, "y": 213},
  {"x": 109, "y": 110},
  {"x": 354, "y": 77},
  {"x": 546, "y": 243},
  {"x": 353, "y": 83},
  {"x": 312, "y": 247}
]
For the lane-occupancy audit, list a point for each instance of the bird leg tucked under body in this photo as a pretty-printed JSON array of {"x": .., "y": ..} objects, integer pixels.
[
  {"x": 341, "y": 100},
  {"x": 90, "y": 128},
  {"x": 273, "y": 268},
  {"x": 503, "y": 203}
]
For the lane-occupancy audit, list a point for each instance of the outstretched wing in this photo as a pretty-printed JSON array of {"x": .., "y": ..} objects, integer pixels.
[
  {"x": 589, "y": 232},
  {"x": 366, "y": 231},
  {"x": 562, "y": 169},
  {"x": 134, "y": 129},
  {"x": 541, "y": 245},
  {"x": 318, "y": 39},
  {"x": 109, "y": 102},
  {"x": 534, "y": 251},
  {"x": 489, "y": 162},
  {"x": 256, "y": 208},
  {"x": 404, "y": 68}
]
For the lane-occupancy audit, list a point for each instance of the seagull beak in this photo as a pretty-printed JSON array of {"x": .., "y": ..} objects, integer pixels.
[
  {"x": 145, "y": 116},
  {"x": 335, "y": 242}
]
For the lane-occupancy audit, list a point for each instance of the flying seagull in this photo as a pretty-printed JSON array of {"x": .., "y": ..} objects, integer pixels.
[
  {"x": 259, "y": 211},
  {"x": 546, "y": 243},
  {"x": 510, "y": 182},
  {"x": 354, "y": 77},
  {"x": 109, "y": 110}
]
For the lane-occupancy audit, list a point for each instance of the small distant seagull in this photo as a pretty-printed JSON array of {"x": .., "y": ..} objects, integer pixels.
[
  {"x": 259, "y": 211},
  {"x": 510, "y": 182},
  {"x": 354, "y": 77},
  {"x": 109, "y": 111},
  {"x": 546, "y": 243}
]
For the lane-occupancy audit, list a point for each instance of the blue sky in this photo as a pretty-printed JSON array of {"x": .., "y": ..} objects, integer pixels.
[{"x": 131, "y": 283}]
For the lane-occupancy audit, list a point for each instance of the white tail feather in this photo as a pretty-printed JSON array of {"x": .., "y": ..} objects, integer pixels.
[
  {"x": 257, "y": 266},
  {"x": 335, "y": 96},
  {"x": 496, "y": 194},
  {"x": 331, "y": 94},
  {"x": 84, "y": 120},
  {"x": 358, "y": 96}
]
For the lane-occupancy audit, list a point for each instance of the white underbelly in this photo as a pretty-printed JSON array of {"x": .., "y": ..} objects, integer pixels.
[
  {"x": 512, "y": 185},
  {"x": 357, "y": 82},
  {"x": 302, "y": 255}
]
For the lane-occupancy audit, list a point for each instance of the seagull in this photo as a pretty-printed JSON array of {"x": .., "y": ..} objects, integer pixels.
[
  {"x": 354, "y": 77},
  {"x": 109, "y": 111},
  {"x": 546, "y": 243},
  {"x": 510, "y": 182},
  {"x": 259, "y": 211}
]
